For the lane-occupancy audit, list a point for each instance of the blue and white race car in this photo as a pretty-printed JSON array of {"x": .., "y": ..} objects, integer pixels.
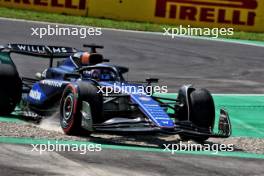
[{"x": 92, "y": 95}]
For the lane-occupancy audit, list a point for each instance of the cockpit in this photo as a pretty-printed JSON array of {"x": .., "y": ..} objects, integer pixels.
[
  {"x": 89, "y": 65},
  {"x": 101, "y": 74}
]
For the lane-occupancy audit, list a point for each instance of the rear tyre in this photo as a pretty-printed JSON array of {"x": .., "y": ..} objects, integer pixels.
[
  {"x": 202, "y": 112},
  {"x": 10, "y": 88},
  {"x": 71, "y": 106}
]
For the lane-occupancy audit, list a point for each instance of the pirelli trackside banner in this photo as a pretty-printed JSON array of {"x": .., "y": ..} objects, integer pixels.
[
  {"x": 73, "y": 7},
  {"x": 246, "y": 15}
]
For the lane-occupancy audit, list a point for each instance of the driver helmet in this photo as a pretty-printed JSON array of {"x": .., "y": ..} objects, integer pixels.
[{"x": 95, "y": 74}]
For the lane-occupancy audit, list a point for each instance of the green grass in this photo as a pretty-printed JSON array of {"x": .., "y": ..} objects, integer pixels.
[{"x": 107, "y": 23}]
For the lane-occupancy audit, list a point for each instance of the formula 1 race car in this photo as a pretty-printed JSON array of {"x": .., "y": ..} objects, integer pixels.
[{"x": 79, "y": 88}]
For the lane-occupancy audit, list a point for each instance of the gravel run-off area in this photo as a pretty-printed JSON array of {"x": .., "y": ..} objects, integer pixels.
[{"x": 53, "y": 132}]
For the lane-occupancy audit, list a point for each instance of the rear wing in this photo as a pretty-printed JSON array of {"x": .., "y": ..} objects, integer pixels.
[
  {"x": 51, "y": 52},
  {"x": 40, "y": 50}
]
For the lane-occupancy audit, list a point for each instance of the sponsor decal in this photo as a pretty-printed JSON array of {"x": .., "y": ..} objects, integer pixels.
[
  {"x": 145, "y": 98},
  {"x": 51, "y": 83},
  {"x": 29, "y": 48},
  {"x": 40, "y": 49},
  {"x": 161, "y": 118},
  {"x": 70, "y": 4},
  {"x": 236, "y": 12},
  {"x": 151, "y": 105},
  {"x": 35, "y": 94},
  {"x": 165, "y": 122}
]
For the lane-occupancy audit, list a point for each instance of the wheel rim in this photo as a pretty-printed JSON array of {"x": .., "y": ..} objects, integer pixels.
[{"x": 68, "y": 107}]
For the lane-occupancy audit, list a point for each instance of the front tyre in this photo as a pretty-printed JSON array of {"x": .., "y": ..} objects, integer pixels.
[
  {"x": 70, "y": 118},
  {"x": 202, "y": 108},
  {"x": 202, "y": 113},
  {"x": 71, "y": 107}
]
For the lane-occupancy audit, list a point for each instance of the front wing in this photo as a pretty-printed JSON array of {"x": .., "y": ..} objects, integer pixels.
[{"x": 139, "y": 125}]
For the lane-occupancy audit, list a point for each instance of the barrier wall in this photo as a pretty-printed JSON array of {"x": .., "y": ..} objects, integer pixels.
[
  {"x": 246, "y": 15},
  {"x": 72, "y": 7}
]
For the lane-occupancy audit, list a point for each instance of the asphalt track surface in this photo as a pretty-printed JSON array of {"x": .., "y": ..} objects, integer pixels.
[{"x": 220, "y": 67}]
